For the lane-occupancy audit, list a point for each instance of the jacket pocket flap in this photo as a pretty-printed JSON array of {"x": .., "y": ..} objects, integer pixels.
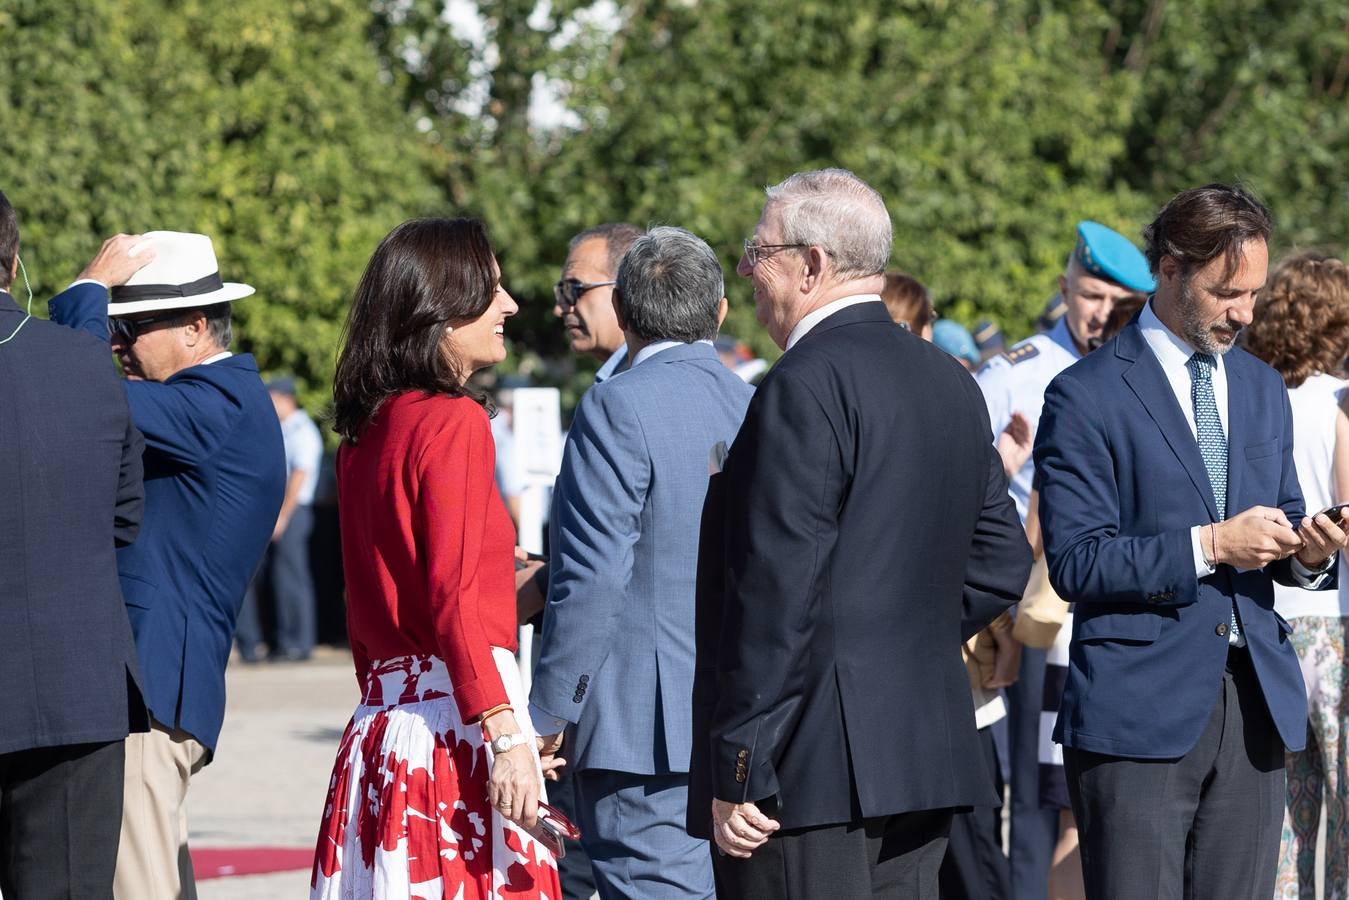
[
  {"x": 1141, "y": 627},
  {"x": 1262, "y": 449}
]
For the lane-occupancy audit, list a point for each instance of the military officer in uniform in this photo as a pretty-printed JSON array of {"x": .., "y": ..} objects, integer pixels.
[{"x": 1103, "y": 268}]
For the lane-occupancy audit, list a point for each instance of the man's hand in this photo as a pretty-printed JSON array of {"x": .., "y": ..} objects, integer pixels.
[
  {"x": 1322, "y": 536},
  {"x": 549, "y": 744},
  {"x": 529, "y": 600},
  {"x": 1015, "y": 443},
  {"x": 739, "y": 828},
  {"x": 1253, "y": 539},
  {"x": 282, "y": 522},
  {"x": 114, "y": 265},
  {"x": 1006, "y": 659}
]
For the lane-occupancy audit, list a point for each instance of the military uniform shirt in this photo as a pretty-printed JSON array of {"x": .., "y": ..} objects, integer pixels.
[{"x": 1016, "y": 381}]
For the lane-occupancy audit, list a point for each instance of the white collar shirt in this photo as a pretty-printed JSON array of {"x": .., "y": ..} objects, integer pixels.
[
  {"x": 814, "y": 318},
  {"x": 1174, "y": 355},
  {"x": 655, "y": 347}
]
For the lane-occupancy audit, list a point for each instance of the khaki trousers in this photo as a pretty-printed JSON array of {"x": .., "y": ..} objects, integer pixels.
[{"x": 153, "y": 862}]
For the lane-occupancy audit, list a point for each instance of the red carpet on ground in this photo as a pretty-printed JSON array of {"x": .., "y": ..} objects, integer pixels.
[{"x": 224, "y": 861}]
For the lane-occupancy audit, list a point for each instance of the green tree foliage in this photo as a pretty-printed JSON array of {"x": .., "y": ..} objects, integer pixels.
[
  {"x": 298, "y": 133},
  {"x": 990, "y": 126},
  {"x": 267, "y": 126}
]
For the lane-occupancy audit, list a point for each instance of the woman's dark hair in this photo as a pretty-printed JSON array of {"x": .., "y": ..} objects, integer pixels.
[
  {"x": 424, "y": 275},
  {"x": 1301, "y": 324}
]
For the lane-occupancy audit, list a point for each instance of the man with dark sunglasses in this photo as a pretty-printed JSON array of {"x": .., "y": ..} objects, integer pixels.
[{"x": 585, "y": 295}]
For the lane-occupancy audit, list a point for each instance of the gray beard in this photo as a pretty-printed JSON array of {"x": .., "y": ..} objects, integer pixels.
[{"x": 1196, "y": 331}]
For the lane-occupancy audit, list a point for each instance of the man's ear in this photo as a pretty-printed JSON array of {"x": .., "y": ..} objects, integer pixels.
[
  {"x": 194, "y": 329},
  {"x": 722, "y": 307},
  {"x": 618, "y": 312},
  {"x": 14, "y": 266},
  {"x": 816, "y": 264},
  {"x": 1168, "y": 269}
]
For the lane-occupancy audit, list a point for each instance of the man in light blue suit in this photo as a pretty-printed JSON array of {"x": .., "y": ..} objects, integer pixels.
[{"x": 618, "y": 645}]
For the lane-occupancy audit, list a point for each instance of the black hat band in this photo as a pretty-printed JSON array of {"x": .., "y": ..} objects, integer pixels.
[{"x": 129, "y": 292}]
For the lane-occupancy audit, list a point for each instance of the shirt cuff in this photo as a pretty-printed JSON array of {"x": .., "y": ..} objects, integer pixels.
[
  {"x": 1311, "y": 579},
  {"x": 545, "y": 722},
  {"x": 1202, "y": 569},
  {"x": 87, "y": 281}
]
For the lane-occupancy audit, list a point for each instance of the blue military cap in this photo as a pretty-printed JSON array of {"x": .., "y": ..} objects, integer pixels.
[
  {"x": 1105, "y": 253},
  {"x": 954, "y": 339}
]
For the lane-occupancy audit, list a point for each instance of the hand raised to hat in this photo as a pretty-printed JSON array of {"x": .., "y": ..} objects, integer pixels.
[{"x": 114, "y": 264}]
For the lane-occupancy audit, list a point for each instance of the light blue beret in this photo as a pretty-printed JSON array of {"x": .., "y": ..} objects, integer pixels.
[
  {"x": 952, "y": 337},
  {"x": 1105, "y": 253}
]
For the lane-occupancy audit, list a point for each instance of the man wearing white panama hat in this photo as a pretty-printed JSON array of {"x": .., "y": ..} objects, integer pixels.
[{"x": 215, "y": 475}]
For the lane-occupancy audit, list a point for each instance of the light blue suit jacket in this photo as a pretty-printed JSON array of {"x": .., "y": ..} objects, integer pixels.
[{"x": 618, "y": 648}]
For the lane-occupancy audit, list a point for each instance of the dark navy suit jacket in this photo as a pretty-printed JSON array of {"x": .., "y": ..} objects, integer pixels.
[
  {"x": 866, "y": 530},
  {"x": 70, "y": 493},
  {"x": 1121, "y": 484},
  {"x": 215, "y": 474}
]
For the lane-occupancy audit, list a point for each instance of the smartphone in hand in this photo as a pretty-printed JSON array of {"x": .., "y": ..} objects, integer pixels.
[
  {"x": 552, "y": 830},
  {"x": 1338, "y": 514}
]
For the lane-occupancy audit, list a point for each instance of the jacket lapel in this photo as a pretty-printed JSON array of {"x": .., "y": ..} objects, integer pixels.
[
  {"x": 1145, "y": 378},
  {"x": 1237, "y": 425}
]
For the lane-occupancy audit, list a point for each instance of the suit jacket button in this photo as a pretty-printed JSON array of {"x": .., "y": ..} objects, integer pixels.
[
  {"x": 743, "y": 754},
  {"x": 576, "y": 698},
  {"x": 585, "y": 678},
  {"x": 740, "y": 777},
  {"x": 1154, "y": 598},
  {"x": 1221, "y": 630}
]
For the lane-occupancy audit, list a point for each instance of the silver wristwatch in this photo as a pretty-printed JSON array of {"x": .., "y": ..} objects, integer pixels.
[{"x": 503, "y": 742}]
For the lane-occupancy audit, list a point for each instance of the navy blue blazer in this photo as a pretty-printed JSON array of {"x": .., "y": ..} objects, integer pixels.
[
  {"x": 1121, "y": 484},
  {"x": 215, "y": 474},
  {"x": 70, "y": 492}
]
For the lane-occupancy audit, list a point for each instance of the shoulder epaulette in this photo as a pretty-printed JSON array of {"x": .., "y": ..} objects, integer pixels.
[{"x": 1022, "y": 352}]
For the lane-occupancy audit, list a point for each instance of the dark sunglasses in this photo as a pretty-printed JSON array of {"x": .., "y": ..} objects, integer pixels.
[
  {"x": 130, "y": 329},
  {"x": 569, "y": 290}
]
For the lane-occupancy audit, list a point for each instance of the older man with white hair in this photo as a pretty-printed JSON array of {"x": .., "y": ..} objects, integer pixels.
[{"x": 867, "y": 530}]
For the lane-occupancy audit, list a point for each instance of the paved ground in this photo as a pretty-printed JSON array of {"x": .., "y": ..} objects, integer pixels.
[{"x": 267, "y": 784}]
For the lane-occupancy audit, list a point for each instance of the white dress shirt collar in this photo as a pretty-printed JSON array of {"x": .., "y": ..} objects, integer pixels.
[
  {"x": 1174, "y": 355},
  {"x": 655, "y": 347},
  {"x": 814, "y": 318},
  {"x": 223, "y": 354}
]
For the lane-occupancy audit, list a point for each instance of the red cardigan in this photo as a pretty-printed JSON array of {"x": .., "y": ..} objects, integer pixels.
[{"x": 427, "y": 544}]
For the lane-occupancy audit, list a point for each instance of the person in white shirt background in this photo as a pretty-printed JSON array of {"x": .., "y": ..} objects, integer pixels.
[{"x": 1301, "y": 329}]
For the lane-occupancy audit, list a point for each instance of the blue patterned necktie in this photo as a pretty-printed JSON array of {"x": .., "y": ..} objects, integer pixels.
[{"x": 1212, "y": 442}]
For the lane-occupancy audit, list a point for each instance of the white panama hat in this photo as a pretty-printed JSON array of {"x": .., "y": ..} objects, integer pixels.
[{"x": 183, "y": 275}]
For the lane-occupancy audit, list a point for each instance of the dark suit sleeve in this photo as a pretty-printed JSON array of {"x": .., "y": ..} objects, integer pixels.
[
  {"x": 1294, "y": 507},
  {"x": 785, "y": 481},
  {"x": 1000, "y": 559},
  {"x": 83, "y": 307},
  {"x": 185, "y": 418},
  {"x": 130, "y": 488},
  {"x": 1089, "y": 560}
]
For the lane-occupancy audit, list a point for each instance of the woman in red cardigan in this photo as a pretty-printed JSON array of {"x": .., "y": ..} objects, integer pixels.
[{"x": 437, "y": 781}]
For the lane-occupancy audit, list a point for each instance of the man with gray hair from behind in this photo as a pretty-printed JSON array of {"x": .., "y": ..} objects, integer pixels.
[
  {"x": 867, "y": 531},
  {"x": 618, "y": 646}
]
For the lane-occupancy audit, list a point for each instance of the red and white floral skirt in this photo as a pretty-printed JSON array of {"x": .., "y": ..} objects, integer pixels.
[{"x": 407, "y": 812}]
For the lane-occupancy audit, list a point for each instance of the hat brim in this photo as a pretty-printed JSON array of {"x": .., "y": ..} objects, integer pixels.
[{"x": 227, "y": 293}]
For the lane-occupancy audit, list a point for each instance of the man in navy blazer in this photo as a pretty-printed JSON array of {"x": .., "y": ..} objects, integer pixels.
[
  {"x": 1170, "y": 505},
  {"x": 214, "y": 479},
  {"x": 72, "y": 493},
  {"x": 618, "y": 644}
]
